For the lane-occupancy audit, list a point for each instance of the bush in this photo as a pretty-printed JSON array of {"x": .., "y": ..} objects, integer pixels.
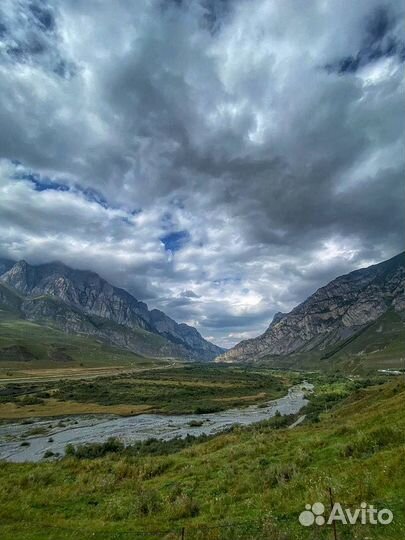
[
  {"x": 278, "y": 421},
  {"x": 150, "y": 469},
  {"x": 195, "y": 423},
  {"x": 36, "y": 431},
  {"x": 159, "y": 447},
  {"x": 95, "y": 450},
  {"x": 37, "y": 478},
  {"x": 369, "y": 443},
  {"x": 279, "y": 474},
  {"x": 30, "y": 400},
  {"x": 183, "y": 507},
  {"x": 206, "y": 410},
  {"x": 148, "y": 503},
  {"x": 275, "y": 422},
  {"x": 150, "y": 447}
]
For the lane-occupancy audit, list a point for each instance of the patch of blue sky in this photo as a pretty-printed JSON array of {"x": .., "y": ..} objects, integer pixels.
[{"x": 174, "y": 241}]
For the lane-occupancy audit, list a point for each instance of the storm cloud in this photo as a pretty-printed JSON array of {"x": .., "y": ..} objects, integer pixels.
[{"x": 220, "y": 159}]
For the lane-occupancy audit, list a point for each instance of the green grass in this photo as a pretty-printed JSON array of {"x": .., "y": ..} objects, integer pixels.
[
  {"x": 43, "y": 345},
  {"x": 10, "y": 300},
  {"x": 196, "y": 388},
  {"x": 260, "y": 475},
  {"x": 193, "y": 388},
  {"x": 26, "y": 345},
  {"x": 381, "y": 345}
]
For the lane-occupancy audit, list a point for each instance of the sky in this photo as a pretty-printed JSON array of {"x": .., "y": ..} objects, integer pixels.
[{"x": 219, "y": 159}]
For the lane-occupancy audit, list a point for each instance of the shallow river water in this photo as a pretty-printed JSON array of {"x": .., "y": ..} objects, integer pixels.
[{"x": 57, "y": 433}]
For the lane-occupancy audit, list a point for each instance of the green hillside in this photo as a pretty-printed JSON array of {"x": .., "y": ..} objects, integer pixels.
[
  {"x": 260, "y": 477},
  {"x": 27, "y": 345},
  {"x": 381, "y": 345}
]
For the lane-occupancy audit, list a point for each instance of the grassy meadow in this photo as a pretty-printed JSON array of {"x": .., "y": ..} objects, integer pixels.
[
  {"x": 175, "y": 389},
  {"x": 247, "y": 483},
  {"x": 260, "y": 477},
  {"x": 26, "y": 346},
  {"x": 380, "y": 345}
]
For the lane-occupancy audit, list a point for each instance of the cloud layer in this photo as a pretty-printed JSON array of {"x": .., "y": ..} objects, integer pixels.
[{"x": 221, "y": 159}]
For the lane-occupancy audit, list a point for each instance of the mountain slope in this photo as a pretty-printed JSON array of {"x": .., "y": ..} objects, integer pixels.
[
  {"x": 331, "y": 316},
  {"x": 81, "y": 302},
  {"x": 27, "y": 345}
]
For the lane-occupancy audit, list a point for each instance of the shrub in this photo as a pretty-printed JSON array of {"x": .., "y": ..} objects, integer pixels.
[
  {"x": 150, "y": 447},
  {"x": 151, "y": 469},
  {"x": 275, "y": 422},
  {"x": 183, "y": 507},
  {"x": 117, "y": 509},
  {"x": 95, "y": 450},
  {"x": 37, "y": 478},
  {"x": 147, "y": 503},
  {"x": 30, "y": 400},
  {"x": 279, "y": 474},
  {"x": 278, "y": 421},
  {"x": 36, "y": 431},
  {"x": 369, "y": 443},
  {"x": 206, "y": 410},
  {"x": 195, "y": 423},
  {"x": 159, "y": 447}
]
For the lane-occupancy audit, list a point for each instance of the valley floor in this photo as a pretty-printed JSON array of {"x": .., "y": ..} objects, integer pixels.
[
  {"x": 169, "y": 389},
  {"x": 248, "y": 483}
]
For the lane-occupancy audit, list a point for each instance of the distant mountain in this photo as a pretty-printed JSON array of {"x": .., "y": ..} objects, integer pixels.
[
  {"x": 81, "y": 302},
  {"x": 333, "y": 316}
]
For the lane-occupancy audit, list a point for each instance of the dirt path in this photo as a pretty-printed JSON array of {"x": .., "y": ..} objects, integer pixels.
[{"x": 297, "y": 422}]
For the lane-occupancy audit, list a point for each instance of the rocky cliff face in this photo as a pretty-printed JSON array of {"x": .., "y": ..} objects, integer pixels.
[
  {"x": 331, "y": 315},
  {"x": 182, "y": 333},
  {"x": 84, "y": 290},
  {"x": 79, "y": 301}
]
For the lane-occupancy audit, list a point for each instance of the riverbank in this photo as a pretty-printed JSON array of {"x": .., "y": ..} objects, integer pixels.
[
  {"x": 174, "y": 389},
  {"x": 253, "y": 474},
  {"x": 31, "y": 442}
]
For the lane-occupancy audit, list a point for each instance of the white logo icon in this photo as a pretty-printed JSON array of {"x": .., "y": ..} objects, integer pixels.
[{"x": 312, "y": 515}]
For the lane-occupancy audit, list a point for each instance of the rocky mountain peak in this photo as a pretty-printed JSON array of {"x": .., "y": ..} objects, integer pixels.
[
  {"x": 84, "y": 296},
  {"x": 332, "y": 314},
  {"x": 5, "y": 264},
  {"x": 277, "y": 317}
]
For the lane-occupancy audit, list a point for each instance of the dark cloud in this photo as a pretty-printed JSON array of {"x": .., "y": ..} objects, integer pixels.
[
  {"x": 380, "y": 40},
  {"x": 215, "y": 11},
  {"x": 29, "y": 35},
  {"x": 198, "y": 153},
  {"x": 42, "y": 16},
  {"x": 211, "y": 13}
]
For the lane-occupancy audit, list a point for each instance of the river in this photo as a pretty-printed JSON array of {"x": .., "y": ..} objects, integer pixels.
[{"x": 28, "y": 442}]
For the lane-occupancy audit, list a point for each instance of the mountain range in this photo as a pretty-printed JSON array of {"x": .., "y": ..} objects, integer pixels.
[
  {"x": 360, "y": 313},
  {"x": 81, "y": 302},
  {"x": 367, "y": 300}
]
